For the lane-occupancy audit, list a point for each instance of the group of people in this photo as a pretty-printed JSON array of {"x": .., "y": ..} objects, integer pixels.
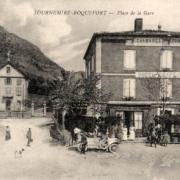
[
  {"x": 156, "y": 135},
  {"x": 28, "y": 135}
]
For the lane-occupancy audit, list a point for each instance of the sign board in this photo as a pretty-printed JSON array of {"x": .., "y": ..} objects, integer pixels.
[
  {"x": 153, "y": 42},
  {"x": 157, "y": 75}
]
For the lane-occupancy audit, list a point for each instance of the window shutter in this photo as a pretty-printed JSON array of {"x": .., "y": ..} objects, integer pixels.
[
  {"x": 138, "y": 120},
  {"x": 166, "y": 60},
  {"x": 132, "y": 88},
  {"x": 129, "y": 59},
  {"x": 126, "y": 88},
  {"x": 169, "y": 59},
  {"x": 163, "y": 88},
  {"x": 169, "y": 88},
  {"x": 163, "y": 60},
  {"x": 125, "y": 59}
]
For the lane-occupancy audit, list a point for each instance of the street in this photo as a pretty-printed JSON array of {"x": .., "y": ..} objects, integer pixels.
[{"x": 46, "y": 159}]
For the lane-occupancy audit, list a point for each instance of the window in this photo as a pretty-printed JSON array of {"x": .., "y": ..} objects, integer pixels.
[
  {"x": 138, "y": 116},
  {"x": 18, "y": 105},
  {"x": 166, "y": 60},
  {"x": 18, "y": 91},
  {"x": 130, "y": 59},
  {"x": 8, "y": 69},
  {"x": 19, "y": 82},
  {"x": 7, "y": 91},
  {"x": 129, "y": 88},
  {"x": 8, "y": 81},
  {"x": 165, "y": 88}
]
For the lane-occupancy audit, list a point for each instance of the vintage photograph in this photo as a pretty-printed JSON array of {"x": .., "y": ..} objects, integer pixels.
[{"x": 89, "y": 90}]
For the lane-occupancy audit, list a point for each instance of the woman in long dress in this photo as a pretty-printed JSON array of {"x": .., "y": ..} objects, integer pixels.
[
  {"x": 8, "y": 133},
  {"x": 29, "y": 137}
]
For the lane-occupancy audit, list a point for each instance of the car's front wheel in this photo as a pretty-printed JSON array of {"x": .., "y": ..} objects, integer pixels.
[{"x": 113, "y": 148}]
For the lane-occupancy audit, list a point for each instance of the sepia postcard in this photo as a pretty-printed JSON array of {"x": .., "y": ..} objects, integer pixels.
[{"x": 89, "y": 90}]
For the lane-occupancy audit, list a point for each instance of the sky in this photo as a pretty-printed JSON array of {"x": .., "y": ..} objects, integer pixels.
[{"x": 64, "y": 37}]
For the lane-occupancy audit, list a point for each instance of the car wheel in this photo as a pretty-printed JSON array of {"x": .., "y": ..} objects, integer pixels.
[
  {"x": 103, "y": 144},
  {"x": 113, "y": 148}
]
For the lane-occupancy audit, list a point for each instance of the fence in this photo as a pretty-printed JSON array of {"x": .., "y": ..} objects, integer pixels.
[
  {"x": 28, "y": 113},
  {"x": 15, "y": 114}
]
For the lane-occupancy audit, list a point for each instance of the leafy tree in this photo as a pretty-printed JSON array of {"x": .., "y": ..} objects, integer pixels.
[
  {"x": 74, "y": 93},
  {"x": 157, "y": 89}
]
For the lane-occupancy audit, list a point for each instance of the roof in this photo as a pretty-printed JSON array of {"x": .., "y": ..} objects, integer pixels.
[
  {"x": 127, "y": 34},
  {"x": 8, "y": 62}
]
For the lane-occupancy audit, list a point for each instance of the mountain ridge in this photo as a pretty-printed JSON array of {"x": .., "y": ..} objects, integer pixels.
[{"x": 28, "y": 58}]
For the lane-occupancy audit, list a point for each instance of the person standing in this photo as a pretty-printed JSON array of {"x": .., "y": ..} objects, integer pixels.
[
  {"x": 8, "y": 133},
  {"x": 83, "y": 143},
  {"x": 29, "y": 137}
]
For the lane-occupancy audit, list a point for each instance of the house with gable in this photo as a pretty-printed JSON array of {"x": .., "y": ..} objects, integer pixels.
[{"x": 13, "y": 88}]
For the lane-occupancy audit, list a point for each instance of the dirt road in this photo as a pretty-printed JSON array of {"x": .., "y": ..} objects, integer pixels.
[{"x": 45, "y": 159}]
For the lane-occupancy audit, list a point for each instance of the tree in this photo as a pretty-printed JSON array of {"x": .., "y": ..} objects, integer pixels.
[
  {"x": 75, "y": 94},
  {"x": 72, "y": 91},
  {"x": 158, "y": 89},
  {"x": 95, "y": 94}
]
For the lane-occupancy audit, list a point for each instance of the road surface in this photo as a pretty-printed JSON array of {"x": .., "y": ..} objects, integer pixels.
[{"x": 46, "y": 159}]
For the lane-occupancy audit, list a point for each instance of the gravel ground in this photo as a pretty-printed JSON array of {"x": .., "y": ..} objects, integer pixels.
[{"x": 47, "y": 160}]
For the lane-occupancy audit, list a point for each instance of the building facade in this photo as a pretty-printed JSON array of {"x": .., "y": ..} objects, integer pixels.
[
  {"x": 141, "y": 69},
  {"x": 13, "y": 89}
]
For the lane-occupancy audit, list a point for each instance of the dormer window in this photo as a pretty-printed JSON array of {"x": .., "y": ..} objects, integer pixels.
[{"x": 8, "y": 69}]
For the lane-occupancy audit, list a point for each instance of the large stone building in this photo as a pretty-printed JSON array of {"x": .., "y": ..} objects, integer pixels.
[
  {"x": 13, "y": 88},
  {"x": 141, "y": 68}
]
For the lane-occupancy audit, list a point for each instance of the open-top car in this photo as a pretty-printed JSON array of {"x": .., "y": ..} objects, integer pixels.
[{"x": 106, "y": 143}]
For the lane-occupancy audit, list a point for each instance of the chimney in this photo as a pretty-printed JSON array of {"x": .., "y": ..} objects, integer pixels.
[{"x": 138, "y": 25}]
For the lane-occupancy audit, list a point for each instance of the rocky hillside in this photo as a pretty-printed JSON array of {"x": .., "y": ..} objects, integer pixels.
[{"x": 39, "y": 69}]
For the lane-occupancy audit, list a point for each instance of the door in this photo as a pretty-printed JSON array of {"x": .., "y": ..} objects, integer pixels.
[
  {"x": 129, "y": 120},
  {"x": 8, "y": 106}
]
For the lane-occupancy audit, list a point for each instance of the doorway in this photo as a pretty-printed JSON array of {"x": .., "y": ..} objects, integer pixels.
[
  {"x": 129, "y": 120},
  {"x": 8, "y": 106}
]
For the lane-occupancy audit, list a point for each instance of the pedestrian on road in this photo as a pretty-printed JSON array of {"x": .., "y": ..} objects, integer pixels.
[
  {"x": 8, "y": 133},
  {"x": 29, "y": 137},
  {"x": 83, "y": 143}
]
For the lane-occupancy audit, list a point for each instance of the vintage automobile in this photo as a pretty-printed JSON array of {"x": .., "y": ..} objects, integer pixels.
[{"x": 106, "y": 143}]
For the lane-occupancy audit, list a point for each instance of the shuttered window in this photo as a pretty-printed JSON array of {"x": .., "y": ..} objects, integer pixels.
[
  {"x": 130, "y": 59},
  {"x": 19, "y": 82},
  {"x": 8, "y": 91},
  {"x": 8, "y": 81},
  {"x": 138, "y": 116},
  {"x": 166, "y": 59},
  {"x": 129, "y": 88},
  {"x": 18, "y": 91}
]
